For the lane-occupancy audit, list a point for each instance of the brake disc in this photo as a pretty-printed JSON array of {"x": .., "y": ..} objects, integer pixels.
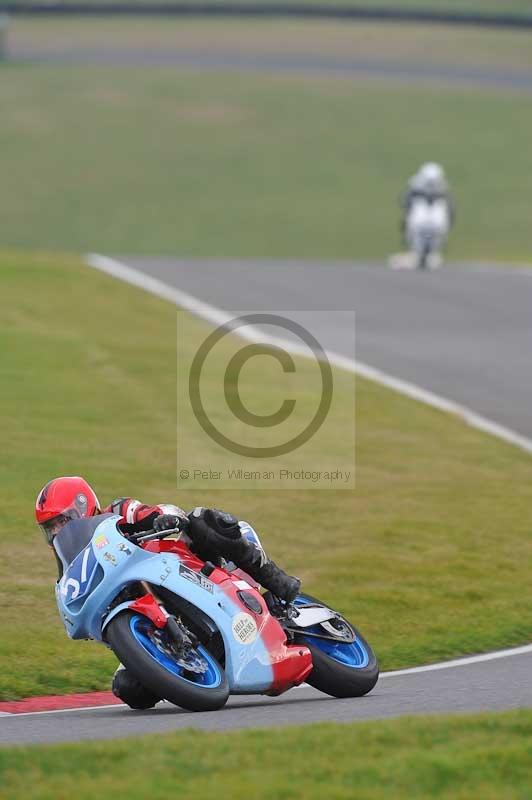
[
  {"x": 339, "y": 629},
  {"x": 189, "y": 659}
]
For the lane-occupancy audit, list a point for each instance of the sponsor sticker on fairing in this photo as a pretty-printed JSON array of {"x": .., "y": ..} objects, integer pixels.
[
  {"x": 101, "y": 541},
  {"x": 244, "y": 628},
  {"x": 197, "y": 578}
]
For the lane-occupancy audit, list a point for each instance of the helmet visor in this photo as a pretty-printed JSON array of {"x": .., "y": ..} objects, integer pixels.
[{"x": 51, "y": 527}]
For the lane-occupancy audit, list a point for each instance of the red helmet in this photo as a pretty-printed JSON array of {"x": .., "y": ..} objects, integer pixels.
[{"x": 60, "y": 501}]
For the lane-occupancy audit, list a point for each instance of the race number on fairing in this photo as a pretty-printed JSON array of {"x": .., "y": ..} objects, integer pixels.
[{"x": 76, "y": 581}]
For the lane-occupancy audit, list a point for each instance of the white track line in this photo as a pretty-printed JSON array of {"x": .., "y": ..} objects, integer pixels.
[
  {"x": 462, "y": 662},
  {"x": 15, "y": 715},
  {"x": 219, "y": 317}
]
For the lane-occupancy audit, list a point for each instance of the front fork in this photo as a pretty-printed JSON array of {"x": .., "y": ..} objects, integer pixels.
[{"x": 151, "y": 606}]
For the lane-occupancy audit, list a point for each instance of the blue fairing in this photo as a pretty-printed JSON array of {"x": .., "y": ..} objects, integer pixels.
[
  {"x": 352, "y": 654},
  {"x": 109, "y": 563}
]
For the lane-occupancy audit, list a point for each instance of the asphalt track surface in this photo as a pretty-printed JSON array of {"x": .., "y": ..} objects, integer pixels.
[
  {"x": 493, "y": 685},
  {"x": 464, "y": 331},
  {"x": 388, "y": 69}
]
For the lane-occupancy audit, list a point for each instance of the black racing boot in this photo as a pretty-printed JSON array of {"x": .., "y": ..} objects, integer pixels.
[
  {"x": 130, "y": 691},
  {"x": 256, "y": 563},
  {"x": 215, "y": 533}
]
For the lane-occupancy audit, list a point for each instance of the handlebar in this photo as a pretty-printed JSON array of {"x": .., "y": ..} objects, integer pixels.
[{"x": 148, "y": 536}]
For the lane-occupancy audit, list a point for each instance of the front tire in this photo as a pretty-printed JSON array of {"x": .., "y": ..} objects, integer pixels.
[{"x": 146, "y": 653}]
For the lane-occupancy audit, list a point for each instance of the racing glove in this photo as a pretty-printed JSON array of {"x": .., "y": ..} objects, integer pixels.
[{"x": 165, "y": 522}]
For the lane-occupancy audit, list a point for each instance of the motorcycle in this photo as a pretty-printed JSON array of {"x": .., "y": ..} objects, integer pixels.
[
  {"x": 427, "y": 228},
  {"x": 193, "y": 632}
]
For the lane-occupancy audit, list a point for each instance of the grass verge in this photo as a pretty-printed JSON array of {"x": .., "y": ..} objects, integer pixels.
[
  {"x": 255, "y": 164},
  {"x": 459, "y": 757},
  {"x": 429, "y": 555}
]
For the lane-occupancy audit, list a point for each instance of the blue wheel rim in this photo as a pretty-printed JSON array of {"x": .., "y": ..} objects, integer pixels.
[
  {"x": 140, "y": 627},
  {"x": 350, "y": 654}
]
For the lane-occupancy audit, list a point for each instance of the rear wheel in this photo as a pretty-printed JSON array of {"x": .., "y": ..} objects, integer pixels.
[
  {"x": 192, "y": 679},
  {"x": 343, "y": 665}
]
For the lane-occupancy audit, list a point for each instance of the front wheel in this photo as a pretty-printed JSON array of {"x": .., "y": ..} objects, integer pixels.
[
  {"x": 340, "y": 668},
  {"x": 423, "y": 256},
  {"x": 193, "y": 680}
]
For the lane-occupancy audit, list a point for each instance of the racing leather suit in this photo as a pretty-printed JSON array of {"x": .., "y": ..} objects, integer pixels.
[
  {"x": 212, "y": 534},
  {"x": 413, "y": 192}
]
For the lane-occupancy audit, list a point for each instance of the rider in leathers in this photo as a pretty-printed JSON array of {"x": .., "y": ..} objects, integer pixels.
[{"x": 429, "y": 183}]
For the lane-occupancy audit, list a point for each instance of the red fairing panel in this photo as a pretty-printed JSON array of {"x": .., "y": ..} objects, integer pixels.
[
  {"x": 291, "y": 664},
  {"x": 148, "y": 606}
]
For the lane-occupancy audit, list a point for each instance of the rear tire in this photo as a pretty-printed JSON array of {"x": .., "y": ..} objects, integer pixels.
[
  {"x": 339, "y": 680},
  {"x": 129, "y": 637},
  {"x": 352, "y": 673}
]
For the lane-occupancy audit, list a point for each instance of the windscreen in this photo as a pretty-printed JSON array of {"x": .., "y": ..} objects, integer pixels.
[{"x": 75, "y": 536}]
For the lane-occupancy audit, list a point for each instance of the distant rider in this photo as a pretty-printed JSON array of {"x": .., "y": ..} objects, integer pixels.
[
  {"x": 212, "y": 535},
  {"x": 428, "y": 183}
]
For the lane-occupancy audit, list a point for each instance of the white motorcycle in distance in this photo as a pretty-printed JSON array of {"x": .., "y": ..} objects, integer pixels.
[
  {"x": 427, "y": 228},
  {"x": 427, "y": 218}
]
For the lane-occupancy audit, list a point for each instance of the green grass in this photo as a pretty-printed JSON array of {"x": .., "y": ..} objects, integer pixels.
[
  {"x": 429, "y": 555},
  {"x": 450, "y": 758},
  {"x": 243, "y": 164}
]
